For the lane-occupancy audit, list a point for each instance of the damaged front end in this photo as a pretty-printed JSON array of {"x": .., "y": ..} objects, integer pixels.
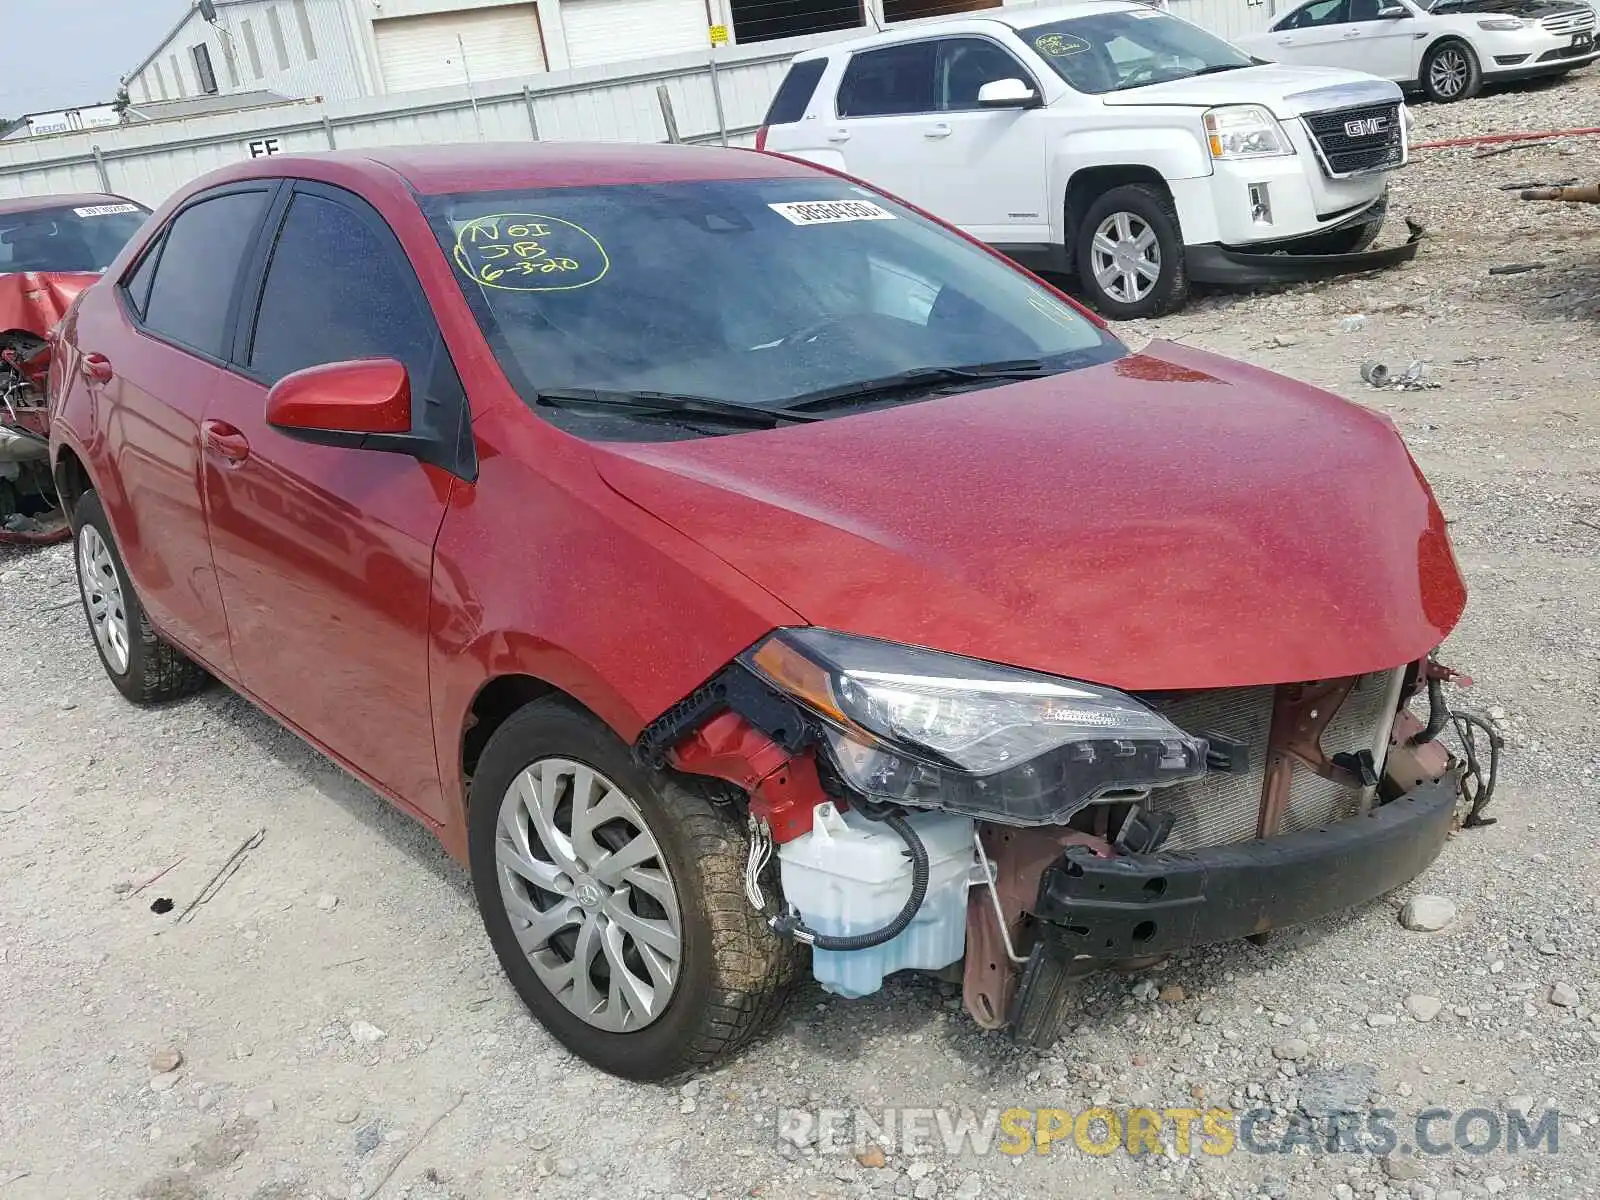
[
  {"x": 31, "y": 304},
  {"x": 927, "y": 809}
]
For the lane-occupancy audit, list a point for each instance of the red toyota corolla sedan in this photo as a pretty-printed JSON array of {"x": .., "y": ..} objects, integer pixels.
[{"x": 738, "y": 568}]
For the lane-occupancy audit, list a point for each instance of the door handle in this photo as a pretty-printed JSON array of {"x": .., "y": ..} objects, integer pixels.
[
  {"x": 1285, "y": 41},
  {"x": 941, "y": 130},
  {"x": 226, "y": 440},
  {"x": 1354, "y": 33},
  {"x": 839, "y": 135},
  {"x": 96, "y": 368}
]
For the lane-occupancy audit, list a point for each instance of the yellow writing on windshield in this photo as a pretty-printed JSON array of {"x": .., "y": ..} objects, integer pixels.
[
  {"x": 529, "y": 252},
  {"x": 1059, "y": 45}
]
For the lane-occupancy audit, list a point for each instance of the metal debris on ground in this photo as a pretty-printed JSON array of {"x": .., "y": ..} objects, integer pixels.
[
  {"x": 224, "y": 873},
  {"x": 1537, "y": 183},
  {"x": 1589, "y": 194},
  {"x": 1516, "y": 268},
  {"x": 1412, "y": 379}
]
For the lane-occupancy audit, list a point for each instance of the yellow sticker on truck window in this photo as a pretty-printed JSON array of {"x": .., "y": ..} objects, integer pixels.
[
  {"x": 529, "y": 252},
  {"x": 1059, "y": 45}
]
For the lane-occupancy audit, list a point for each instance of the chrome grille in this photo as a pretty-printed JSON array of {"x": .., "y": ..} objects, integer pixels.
[
  {"x": 1221, "y": 809},
  {"x": 1574, "y": 20},
  {"x": 1353, "y": 141}
]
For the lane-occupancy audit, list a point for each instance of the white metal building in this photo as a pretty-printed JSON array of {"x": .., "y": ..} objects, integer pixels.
[{"x": 344, "y": 49}]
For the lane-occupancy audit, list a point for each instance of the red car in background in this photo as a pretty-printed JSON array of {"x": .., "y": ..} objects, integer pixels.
[
  {"x": 634, "y": 516},
  {"x": 51, "y": 248}
]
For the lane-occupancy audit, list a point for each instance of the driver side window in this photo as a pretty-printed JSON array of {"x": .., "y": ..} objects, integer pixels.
[
  {"x": 1321, "y": 12},
  {"x": 965, "y": 64}
]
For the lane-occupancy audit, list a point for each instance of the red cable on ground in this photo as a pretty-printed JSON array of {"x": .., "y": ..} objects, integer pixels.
[{"x": 1490, "y": 138}]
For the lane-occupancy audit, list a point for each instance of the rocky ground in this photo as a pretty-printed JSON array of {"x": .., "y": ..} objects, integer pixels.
[{"x": 340, "y": 1029}]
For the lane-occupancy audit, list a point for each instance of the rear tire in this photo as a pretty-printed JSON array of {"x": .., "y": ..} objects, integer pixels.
[
  {"x": 725, "y": 975},
  {"x": 1451, "y": 72},
  {"x": 1129, "y": 253},
  {"x": 144, "y": 667}
]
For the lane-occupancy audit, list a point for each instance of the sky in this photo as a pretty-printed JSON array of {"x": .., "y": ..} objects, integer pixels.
[{"x": 66, "y": 53}]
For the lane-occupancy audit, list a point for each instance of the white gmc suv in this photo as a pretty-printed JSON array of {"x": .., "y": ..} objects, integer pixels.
[{"x": 1110, "y": 140}]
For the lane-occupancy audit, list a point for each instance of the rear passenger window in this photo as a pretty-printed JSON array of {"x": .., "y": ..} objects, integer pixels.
[
  {"x": 337, "y": 289},
  {"x": 795, "y": 92},
  {"x": 889, "y": 82},
  {"x": 138, "y": 285},
  {"x": 195, "y": 278}
]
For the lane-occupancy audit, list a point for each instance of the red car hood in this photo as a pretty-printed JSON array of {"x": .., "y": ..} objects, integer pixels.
[
  {"x": 1169, "y": 520},
  {"x": 33, "y": 301}
]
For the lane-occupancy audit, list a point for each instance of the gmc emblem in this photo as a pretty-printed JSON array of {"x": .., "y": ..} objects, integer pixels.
[{"x": 1366, "y": 127}]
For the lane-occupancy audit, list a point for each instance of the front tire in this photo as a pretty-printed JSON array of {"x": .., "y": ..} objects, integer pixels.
[
  {"x": 144, "y": 668},
  {"x": 614, "y": 899},
  {"x": 1129, "y": 255},
  {"x": 1451, "y": 72}
]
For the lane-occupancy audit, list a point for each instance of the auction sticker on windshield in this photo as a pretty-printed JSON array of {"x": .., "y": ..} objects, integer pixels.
[
  {"x": 830, "y": 212},
  {"x": 105, "y": 210}
]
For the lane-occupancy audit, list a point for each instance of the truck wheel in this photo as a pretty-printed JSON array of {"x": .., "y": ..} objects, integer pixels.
[
  {"x": 1451, "y": 72},
  {"x": 1130, "y": 255},
  {"x": 144, "y": 668},
  {"x": 614, "y": 898}
]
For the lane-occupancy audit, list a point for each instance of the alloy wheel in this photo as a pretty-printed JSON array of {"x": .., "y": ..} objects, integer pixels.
[
  {"x": 1449, "y": 71},
  {"x": 590, "y": 898},
  {"x": 1126, "y": 257},
  {"x": 102, "y": 598}
]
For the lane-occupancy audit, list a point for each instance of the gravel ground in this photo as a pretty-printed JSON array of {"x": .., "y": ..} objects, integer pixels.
[{"x": 344, "y": 1031}]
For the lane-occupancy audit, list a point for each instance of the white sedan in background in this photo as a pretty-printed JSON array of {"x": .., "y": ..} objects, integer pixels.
[{"x": 1446, "y": 48}]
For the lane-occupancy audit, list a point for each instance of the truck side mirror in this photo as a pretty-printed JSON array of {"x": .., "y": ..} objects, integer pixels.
[{"x": 1008, "y": 93}]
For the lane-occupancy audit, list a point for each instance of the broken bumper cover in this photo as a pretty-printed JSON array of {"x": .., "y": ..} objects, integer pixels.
[
  {"x": 1127, "y": 907},
  {"x": 1219, "y": 264}
]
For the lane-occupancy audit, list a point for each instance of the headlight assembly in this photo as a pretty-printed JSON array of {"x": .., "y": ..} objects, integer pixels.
[
  {"x": 934, "y": 730},
  {"x": 1505, "y": 24},
  {"x": 1245, "y": 131}
]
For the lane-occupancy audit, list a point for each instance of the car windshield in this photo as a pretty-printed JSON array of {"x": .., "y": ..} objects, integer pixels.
[
  {"x": 749, "y": 293},
  {"x": 82, "y": 238},
  {"x": 1115, "y": 51}
]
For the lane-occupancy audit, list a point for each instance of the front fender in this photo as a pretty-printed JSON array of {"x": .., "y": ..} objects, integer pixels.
[
  {"x": 546, "y": 571},
  {"x": 1172, "y": 152}
]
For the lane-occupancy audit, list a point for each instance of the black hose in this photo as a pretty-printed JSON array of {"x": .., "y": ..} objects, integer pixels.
[
  {"x": 1477, "y": 787},
  {"x": 790, "y": 925},
  {"x": 1438, "y": 714}
]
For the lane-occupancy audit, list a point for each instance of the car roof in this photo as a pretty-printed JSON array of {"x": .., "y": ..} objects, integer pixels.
[
  {"x": 1022, "y": 16},
  {"x": 504, "y": 166},
  {"x": 22, "y": 204}
]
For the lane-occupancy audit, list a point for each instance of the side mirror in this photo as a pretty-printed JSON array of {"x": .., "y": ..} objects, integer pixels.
[
  {"x": 1393, "y": 12},
  {"x": 1008, "y": 93},
  {"x": 360, "y": 403}
]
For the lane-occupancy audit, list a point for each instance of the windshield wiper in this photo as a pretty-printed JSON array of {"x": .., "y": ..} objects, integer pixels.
[
  {"x": 1215, "y": 68},
  {"x": 671, "y": 403},
  {"x": 920, "y": 379}
]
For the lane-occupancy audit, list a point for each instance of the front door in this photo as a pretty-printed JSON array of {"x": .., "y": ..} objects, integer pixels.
[
  {"x": 989, "y": 163},
  {"x": 325, "y": 553}
]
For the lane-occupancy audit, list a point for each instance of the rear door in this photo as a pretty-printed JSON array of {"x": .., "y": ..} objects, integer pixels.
[
  {"x": 152, "y": 356},
  {"x": 1313, "y": 34},
  {"x": 325, "y": 553},
  {"x": 987, "y": 165},
  {"x": 885, "y": 118}
]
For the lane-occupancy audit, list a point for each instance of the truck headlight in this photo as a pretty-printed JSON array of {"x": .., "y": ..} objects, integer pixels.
[
  {"x": 933, "y": 730},
  {"x": 1505, "y": 24},
  {"x": 1245, "y": 131}
]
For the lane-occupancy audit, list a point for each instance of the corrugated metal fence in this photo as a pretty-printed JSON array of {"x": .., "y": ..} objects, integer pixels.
[{"x": 614, "y": 103}]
